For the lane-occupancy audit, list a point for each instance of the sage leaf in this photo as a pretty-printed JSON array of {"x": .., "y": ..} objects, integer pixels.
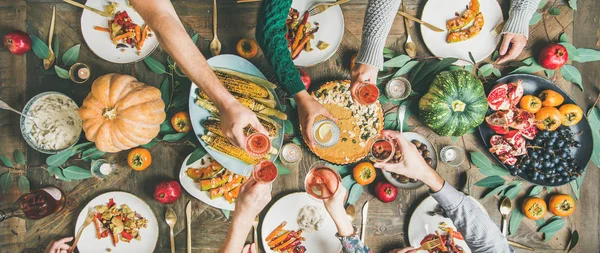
[
  {"x": 588, "y": 55},
  {"x": 281, "y": 169},
  {"x": 174, "y": 137},
  {"x": 486, "y": 70},
  {"x": 554, "y": 224},
  {"x": 355, "y": 193},
  {"x": 495, "y": 191},
  {"x": 155, "y": 66},
  {"x": 92, "y": 154},
  {"x": 397, "y": 61},
  {"x": 7, "y": 162},
  {"x": 549, "y": 73},
  {"x": 289, "y": 127},
  {"x": 60, "y": 72},
  {"x": 56, "y": 48},
  {"x": 19, "y": 157},
  {"x": 563, "y": 38},
  {"x": 71, "y": 55},
  {"x": 554, "y": 11},
  {"x": 6, "y": 181},
  {"x": 573, "y": 4},
  {"x": 23, "y": 184},
  {"x": 76, "y": 173},
  {"x": 536, "y": 18},
  {"x": 571, "y": 74},
  {"x": 491, "y": 182},
  {"x": 348, "y": 181},
  {"x": 535, "y": 191},
  {"x": 195, "y": 38},
  {"x": 515, "y": 188},
  {"x": 515, "y": 220},
  {"x": 574, "y": 239},
  {"x": 196, "y": 155},
  {"x": 40, "y": 48},
  {"x": 226, "y": 213},
  {"x": 405, "y": 69},
  {"x": 165, "y": 92}
]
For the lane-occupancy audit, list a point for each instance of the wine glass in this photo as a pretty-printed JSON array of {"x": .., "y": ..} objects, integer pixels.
[{"x": 322, "y": 181}]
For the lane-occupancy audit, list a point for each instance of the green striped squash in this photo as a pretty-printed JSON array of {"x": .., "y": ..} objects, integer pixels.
[{"x": 454, "y": 104}]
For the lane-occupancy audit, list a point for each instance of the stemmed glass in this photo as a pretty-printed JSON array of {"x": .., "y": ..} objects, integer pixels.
[{"x": 322, "y": 181}]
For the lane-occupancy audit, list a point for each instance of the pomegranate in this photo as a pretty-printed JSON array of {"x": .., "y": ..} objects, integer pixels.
[
  {"x": 522, "y": 119},
  {"x": 529, "y": 132},
  {"x": 305, "y": 78},
  {"x": 508, "y": 159},
  {"x": 498, "y": 98},
  {"x": 502, "y": 147},
  {"x": 553, "y": 56},
  {"x": 500, "y": 121},
  {"x": 386, "y": 192},
  {"x": 496, "y": 140},
  {"x": 17, "y": 42},
  {"x": 515, "y": 93},
  {"x": 167, "y": 192}
]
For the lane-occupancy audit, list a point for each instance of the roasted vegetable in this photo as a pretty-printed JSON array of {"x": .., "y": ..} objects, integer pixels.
[
  {"x": 223, "y": 145},
  {"x": 214, "y": 125},
  {"x": 242, "y": 86},
  {"x": 253, "y": 105}
]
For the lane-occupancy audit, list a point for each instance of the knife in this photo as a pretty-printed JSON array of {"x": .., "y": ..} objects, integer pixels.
[
  {"x": 428, "y": 25},
  {"x": 365, "y": 212},
  {"x": 518, "y": 245},
  {"x": 188, "y": 217}
]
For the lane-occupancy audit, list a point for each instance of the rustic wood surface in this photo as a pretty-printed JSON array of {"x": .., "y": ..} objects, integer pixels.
[{"x": 22, "y": 77}]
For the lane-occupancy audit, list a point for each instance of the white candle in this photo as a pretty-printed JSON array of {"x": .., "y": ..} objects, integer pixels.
[
  {"x": 105, "y": 169},
  {"x": 450, "y": 155}
]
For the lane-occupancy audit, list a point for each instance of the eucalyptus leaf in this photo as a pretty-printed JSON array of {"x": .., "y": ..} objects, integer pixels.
[
  {"x": 226, "y": 213},
  {"x": 165, "y": 92},
  {"x": 289, "y": 127},
  {"x": 92, "y": 154},
  {"x": 76, "y": 173},
  {"x": 40, "y": 48},
  {"x": 56, "y": 48},
  {"x": 563, "y": 38},
  {"x": 515, "y": 220},
  {"x": 348, "y": 181},
  {"x": 575, "y": 188},
  {"x": 416, "y": 71},
  {"x": 297, "y": 141},
  {"x": 71, "y": 55},
  {"x": 150, "y": 144},
  {"x": 196, "y": 155},
  {"x": 594, "y": 121},
  {"x": 397, "y": 61},
  {"x": 427, "y": 70},
  {"x": 486, "y": 70},
  {"x": 542, "y": 4},
  {"x": 23, "y": 184},
  {"x": 573, "y": 240},
  {"x": 571, "y": 74},
  {"x": 281, "y": 169},
  {"x": 387, "y": 51},
  {"x": 554, "y": 224},
  {"x": 62, "y": 157},
  {"x": 535, "y": 191},
  {"x": 497, "y": 72},
  {"x": 181, "y": 99},
  {"x": 56, "y": 172},
  {"x": 390, "y": 121},
  {"x": 530, "y": 68},
  {"x": 491, "y": 182},
  {"x": 60, "y": 72},
  {"x": 405, "y": 69},
  {"x": 515, "y": 188},
  {"x": 469, "y": 68},
  {"x": 549, "y": 73},
  {"x": 554, "y": 11},
  {"x": 195, "y": 38},
  {"x": 495, "y": 191},
  {"x": 7, "y": 162},
  {"x": 155, "y": 66},
  {"x": 495, "y": 55},
  {"x": 19, "y": 157},
  {"x": 453, "y": 138},
  {"x": 341, "y": 169},
  {"x": 588, "y": 55},
  {"x": 6, "y": 181},
  {"x": 472, "y": 58},
  {"x": 485, "y": 166},
  {"x": 573, "y": 4},
  {"x": 540, "y": 222},
  {"x": 536, "y": 18},
  {"x": 174, "y": 137},
  {"x": 571, "y": 50},
  {"x": 166, "y": 128},
  {"x": 354, "y": 193}
]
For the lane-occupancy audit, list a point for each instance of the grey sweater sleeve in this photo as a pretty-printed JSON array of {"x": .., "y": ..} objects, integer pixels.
[
  {"x": 379, "y": 17},
  {"x": 519, "y": 15},
  {"x": 479, "y": 231}
]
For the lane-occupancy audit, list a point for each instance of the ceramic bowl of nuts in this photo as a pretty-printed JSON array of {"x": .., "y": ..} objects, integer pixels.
[{"x": 427, "y": 151}]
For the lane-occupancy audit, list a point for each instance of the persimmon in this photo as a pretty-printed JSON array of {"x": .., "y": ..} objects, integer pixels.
[
  {"x": 364, "y": 173},
  {"x": 551, "y": 98},
  {"x": 531, "y": 103},
  {"x": 571, "y": 114},
  {"x": 534, "y": 208},
  {"x": 548, "y": 118},
  {"x": 561, "y": 205},
  {"x": 247, "y": 48},
  {"x": 181, "y": 122},
  {"x": 139, "y": 159}
]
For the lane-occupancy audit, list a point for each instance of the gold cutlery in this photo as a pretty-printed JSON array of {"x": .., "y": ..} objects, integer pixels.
[
  {"x": 363, "y": 229},
  {"x": 215, "y": 44},
  {"x": 321, "y": 7},
  {"x": 50, "y": 59},
  {"x": 518, "y": 245},
  {"x": 86, "y": 222},
  {"x": 255, "y": 233},
  {"x": 188, "y": 217},
  {"x": 99, "y": 12},
  {"x": 429, "y": 245},
  {"x": 498, "y": 29},
  {"x": 409, "y": 46},
  {"x": 428, "y": 25},
  {"x": 247, "y": 1},
  {"x": 171, "y": 219},
  {"x": 505, "y": 208}
]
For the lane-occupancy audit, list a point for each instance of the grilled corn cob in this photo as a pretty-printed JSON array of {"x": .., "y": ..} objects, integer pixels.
[
  {"x": 251, "y": 104},
  {"x": 241, "y": 86},
  {"x": 214, "y": 125},
  {"x": 223, "y": 145},
  {"x": 207, "y": 105},
  {"x": 255, "y": 79}
]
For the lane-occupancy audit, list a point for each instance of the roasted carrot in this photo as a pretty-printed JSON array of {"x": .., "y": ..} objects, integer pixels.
[
  {"x": 279, "y": 239},
  {"x": 300, "y": 31},
  {"x": 102, "y": 29},
  {"x": 275, "y": 231},
  {"x": 442, "y": 246},
  {"x": 144, "y": 36},
  {"x": 138, "y": 33},
  {"x": 285, "y": 244},
  {"x": 123, "y": 36},
  {"x": 296, "y": 52}
]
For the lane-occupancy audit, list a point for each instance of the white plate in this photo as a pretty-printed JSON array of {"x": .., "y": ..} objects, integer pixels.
[
  {"x": 422, "y": 224},
  {"x": 437, "y": 12},
  {"x": 410, "y": 136},
  {"x": 331, "y": 30},
  {"x": 198, "y": 114},
  {"x": 100, "y": 42},
  {"x": 287, "y": 209},
  {"x": 88, "y": 241},
  {"x": 193, "y": 188}
]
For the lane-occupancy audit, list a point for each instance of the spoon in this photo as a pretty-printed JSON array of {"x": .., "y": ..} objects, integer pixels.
[
  {"x": 215, "y": 44},
  {"x": 5, "y": 106},
  {"x": 409, "y": 46},
  {"x": 401, "y": 113},
  {"x": 50, "y": 60},
  {"x": 351, "y": 212},
  {"x": 505, "y": 208},
  {"x": 171, "y": 219}
]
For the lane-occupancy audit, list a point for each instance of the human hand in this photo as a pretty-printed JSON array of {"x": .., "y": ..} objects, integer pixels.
[
  {"x": 516, "y": 42},
  {"x": 252, "y": 199},
  {"x": 405, "y": 250},
  {"x": 335, "y": 204},
  {"x": 234, "y": 118},
  {"x": 308, "y": 110},
  {"x": 59, "y": 246},
  {"x": 362, "y": 73},
  {"x": 249, "y": 248}
]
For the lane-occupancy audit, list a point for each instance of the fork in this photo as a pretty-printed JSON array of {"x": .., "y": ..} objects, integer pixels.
[
  {"x": 86, "y": 222},
  {"x": 429, "y": 245},
  {"x": 99, "y": 12},
  {"x": 255, "y": 235},
  {"x": 321, "y": 7},
  {"x": 497, "y": 29}
]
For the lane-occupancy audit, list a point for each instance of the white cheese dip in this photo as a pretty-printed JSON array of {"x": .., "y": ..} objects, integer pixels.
[
  {"x": 57, "y": 124},
  {"x": 311, "y": 218}
]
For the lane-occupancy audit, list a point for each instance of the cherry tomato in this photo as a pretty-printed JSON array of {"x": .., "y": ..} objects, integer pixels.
[
  {"x": 181, "y": 122},
  {"x": 534, "y": 208},
  {"x": 139, "y": 159},
  {"x": 530, "y": 103},
  {"x": 548, "y": 118},
  {"x": 561, "y": 205},
  {"x": 364, "y": 173},
  {"x": 571, "y": 114},
  {"x": 551, "y": 98}
]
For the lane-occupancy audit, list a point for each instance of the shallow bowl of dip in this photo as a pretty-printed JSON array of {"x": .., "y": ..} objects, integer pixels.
[{"x": 57, "y": 114}]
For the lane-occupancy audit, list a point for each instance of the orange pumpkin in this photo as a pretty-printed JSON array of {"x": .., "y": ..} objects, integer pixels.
[{"x": 121, "y": 113}]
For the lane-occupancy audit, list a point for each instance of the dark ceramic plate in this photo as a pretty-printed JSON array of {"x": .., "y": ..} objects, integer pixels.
[{"x": 534, "y": 85}]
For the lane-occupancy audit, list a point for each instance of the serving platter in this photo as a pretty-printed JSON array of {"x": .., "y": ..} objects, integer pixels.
[
  {"x": 410, "y": 136},
  {"x": 199, "y": 114},
  {"x": 533, "y": 85}
]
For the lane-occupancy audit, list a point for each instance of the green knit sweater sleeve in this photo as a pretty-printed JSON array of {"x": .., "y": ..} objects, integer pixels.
[{"x": 270, "y": 35}]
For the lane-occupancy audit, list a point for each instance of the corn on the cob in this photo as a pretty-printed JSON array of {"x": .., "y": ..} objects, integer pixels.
[
  {"x": 251, "y": 104},
  {"x": 223, "y": 145},
  {"x": 241, "y": 86},
  {"x": 214, "y": 125},
  {"x": 207, "y": 105},
  {"x": 252, "y": 78}
]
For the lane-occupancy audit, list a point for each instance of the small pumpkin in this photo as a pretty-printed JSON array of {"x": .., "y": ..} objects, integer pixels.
[
  {"x": 120, "y": 113},
  {"x": 454, "y": 104}
]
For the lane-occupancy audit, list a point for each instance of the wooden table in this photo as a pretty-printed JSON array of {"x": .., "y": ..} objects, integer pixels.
[{"x": 21, "y": 77}]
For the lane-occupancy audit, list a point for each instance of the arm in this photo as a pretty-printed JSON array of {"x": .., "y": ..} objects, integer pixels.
[
  {"x": 161, "y": 16},
  {"x": 240, "y": 227},
  {"x": 350, "y": 241},
  {"x": 516, "y": 28}
]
